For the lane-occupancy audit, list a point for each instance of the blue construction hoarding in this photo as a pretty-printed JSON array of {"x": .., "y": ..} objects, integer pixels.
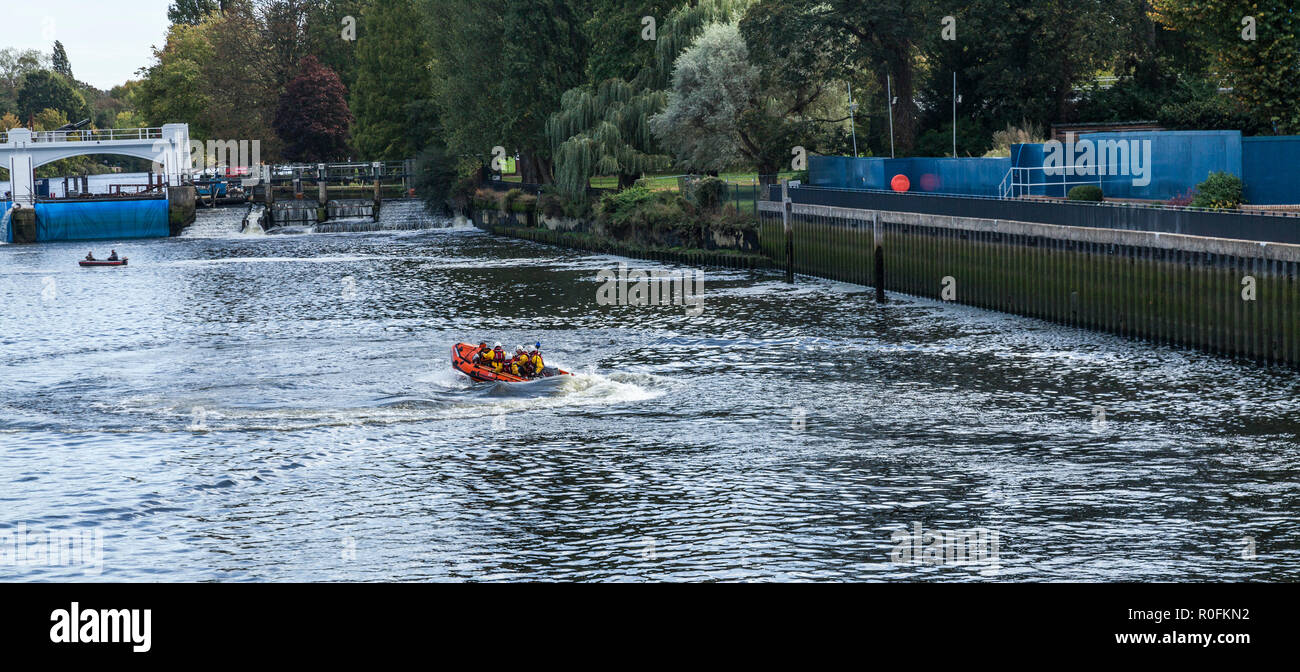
[
  {"x": 101, "y": 220},
  {"x": 1148, "y": 165}
]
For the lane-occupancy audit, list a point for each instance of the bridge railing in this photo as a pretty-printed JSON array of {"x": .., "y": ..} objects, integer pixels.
[{"x": 98, "y": 135}]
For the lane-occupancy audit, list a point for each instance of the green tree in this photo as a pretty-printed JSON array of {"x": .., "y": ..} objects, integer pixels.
[
  {"x": 544, "y": 55},
  {"x": 1255, "y": 49},
  {"x": 619, "y": 49},
  {"x": 45, "y": 89},
  {"x": 603, "y": 127},
  {"x": 881, "y": 37},
  {"x": 392, "y": 70},
  {"x": 173, "y": 89},
  {"x": 325, "y": 24},
  {"x": 193, "y": 12},
  {"x": 465, "y": 69},
  {"x": 723, "y": 112},
  {"x": 60, "y": 61}
]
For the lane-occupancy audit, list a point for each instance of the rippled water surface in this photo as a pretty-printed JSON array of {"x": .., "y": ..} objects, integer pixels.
[{"x": 281, "y": 407}]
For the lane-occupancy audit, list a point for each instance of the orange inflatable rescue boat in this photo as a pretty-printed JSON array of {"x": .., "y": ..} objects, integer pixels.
[{"x": 462, "y": 359}]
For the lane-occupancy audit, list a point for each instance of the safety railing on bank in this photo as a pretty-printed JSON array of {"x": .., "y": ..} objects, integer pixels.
[{"x": 1273, "y": 227}]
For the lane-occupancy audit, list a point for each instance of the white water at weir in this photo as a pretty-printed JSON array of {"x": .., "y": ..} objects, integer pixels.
[
  {"x": 400, "y": 215},
  {"x": 4, "y": 225}
]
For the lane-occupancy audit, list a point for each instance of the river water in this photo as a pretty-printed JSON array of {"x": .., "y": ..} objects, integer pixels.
[{"x": 281, "y": 407}]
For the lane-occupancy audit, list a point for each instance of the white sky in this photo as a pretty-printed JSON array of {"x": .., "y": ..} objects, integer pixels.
[{"x": 106, "y": 40}]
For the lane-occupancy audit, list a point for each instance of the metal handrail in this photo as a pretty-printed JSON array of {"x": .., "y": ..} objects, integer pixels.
[
  {"x": 1102, "y": 204},
  {"x": 98, "y": 135}
]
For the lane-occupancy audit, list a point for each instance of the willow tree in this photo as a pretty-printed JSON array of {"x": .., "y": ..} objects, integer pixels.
[
  {"x": 604, "y": 132},
  {"x": 603, "y": 128}
]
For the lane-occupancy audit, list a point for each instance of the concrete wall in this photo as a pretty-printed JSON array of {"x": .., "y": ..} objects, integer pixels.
[
  {"x": 1230, "y": 297},
  {"x": 181, "y": 203}
]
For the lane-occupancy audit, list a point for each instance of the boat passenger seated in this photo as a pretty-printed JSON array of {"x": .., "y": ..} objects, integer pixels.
[
  {"x": 521, "y": 365},
  {"x": 536, "y": 356},
  {"x": 90, "y": 256},
  {"x": 483, "y": 353},
  {"x": 498, "y": 361},
  {"x": 112, "y": 255}
]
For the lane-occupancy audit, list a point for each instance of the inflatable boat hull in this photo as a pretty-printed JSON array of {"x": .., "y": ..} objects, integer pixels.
[{"x": 462, "y": 359}]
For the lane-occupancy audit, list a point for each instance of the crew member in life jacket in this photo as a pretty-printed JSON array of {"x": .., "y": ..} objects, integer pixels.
[
  {"x": 498, "y": 360},
  {"x": 521, "y": 365},
  {"x": 536, "y": 357},
  {"x": 481, "y": 357}
]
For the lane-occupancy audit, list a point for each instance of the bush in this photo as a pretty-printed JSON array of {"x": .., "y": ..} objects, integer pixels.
[
  {"x": 435, "y": 179},
  {"x": 487, "y": 199},
  {"x": 708, "y": 193},
  {"x": 516, "y": 200},
  {"x": 1085, "y": 192},
  {"x": 1026, "y": 133},
  {"x": 549, "y": 204},
  {"x": 525, "y": 203},
  {"x": 1220, "y": 191},
  {"x": 462, "y": 192},
  {"x": 1183, "y": 200},
  {"x": 615, "y": 204}
]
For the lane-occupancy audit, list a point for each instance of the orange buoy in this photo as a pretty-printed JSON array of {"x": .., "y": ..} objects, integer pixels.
[{"x": 900, "y": 183}]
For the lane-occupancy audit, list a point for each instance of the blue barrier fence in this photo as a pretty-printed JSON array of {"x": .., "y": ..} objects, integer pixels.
[
  {"x": 971, "y": 177},
  {"x": 100, "y": 220},
  {"x": 1271, "y": 169},
  {"x": 1151, "y": 165}
]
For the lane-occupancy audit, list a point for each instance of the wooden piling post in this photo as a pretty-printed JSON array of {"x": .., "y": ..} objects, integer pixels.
[{"x": 787, "y": 211}]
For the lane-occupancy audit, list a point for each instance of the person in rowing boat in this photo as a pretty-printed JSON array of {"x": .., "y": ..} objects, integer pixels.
[
  {"x": 112, "y": 255},
  {"x": 90, "y": 256}
]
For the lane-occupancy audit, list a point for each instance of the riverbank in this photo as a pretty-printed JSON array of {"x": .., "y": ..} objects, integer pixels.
[
  {"x": 1229, "y": 297},
  {"x": 640, "y": 223}
]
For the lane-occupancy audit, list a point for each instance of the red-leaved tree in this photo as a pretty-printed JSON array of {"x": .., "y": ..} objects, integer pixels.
[{"x": 313, "y": 120}]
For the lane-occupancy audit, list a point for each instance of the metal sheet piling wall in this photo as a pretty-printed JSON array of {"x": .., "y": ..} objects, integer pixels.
[{"x": 1230, "y": 297}]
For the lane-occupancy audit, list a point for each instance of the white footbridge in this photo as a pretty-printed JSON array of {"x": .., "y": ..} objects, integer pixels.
[{"x": 22, "y": 151}]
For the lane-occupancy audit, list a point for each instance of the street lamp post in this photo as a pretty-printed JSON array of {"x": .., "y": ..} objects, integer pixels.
[
  {"x": 889, "y": 100},
  {"x": 853, "y": 122},
  {"x": 955, "y": 99}
]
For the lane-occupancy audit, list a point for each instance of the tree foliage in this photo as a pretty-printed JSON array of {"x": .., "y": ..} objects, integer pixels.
[
  {"x": 46, "y": 89},
  {"x": 313, "y": 118},
  {"x": 1259, "y": 62},
  {"x": 59, "y": 61},
  {"x": 604, "y": 127},
  {"x": 193, "y": 12},
  {"x": 392, "y": 70}
]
